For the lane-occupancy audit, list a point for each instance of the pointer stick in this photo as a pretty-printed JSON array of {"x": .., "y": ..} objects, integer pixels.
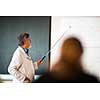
[{"x": 54, "y": 44}]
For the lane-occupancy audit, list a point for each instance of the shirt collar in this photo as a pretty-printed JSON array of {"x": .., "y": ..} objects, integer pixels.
[{"x": 26, "y": 50}]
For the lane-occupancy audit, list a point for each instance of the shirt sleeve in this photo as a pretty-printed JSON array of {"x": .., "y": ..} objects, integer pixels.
[
  {"x": 14, "y": 66},
  {"x": 35, "y": 65}
]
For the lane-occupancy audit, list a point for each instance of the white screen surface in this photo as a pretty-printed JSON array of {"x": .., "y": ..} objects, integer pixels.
[{"x": 87, "y": 29}]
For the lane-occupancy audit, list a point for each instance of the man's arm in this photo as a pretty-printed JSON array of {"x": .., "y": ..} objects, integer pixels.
[{"x": 37, "y": 64}]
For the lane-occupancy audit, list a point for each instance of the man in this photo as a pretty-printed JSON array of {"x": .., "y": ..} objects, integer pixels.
[
  {"x": 21, "y": 66},
  {"x": 69, "y": 67}
]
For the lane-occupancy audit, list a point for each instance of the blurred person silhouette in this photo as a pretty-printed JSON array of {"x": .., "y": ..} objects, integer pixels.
[{"x": 69, "y": 67}]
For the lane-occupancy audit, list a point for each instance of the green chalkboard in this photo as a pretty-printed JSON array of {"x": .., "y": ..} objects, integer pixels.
[{"x": 39, "y": 29}]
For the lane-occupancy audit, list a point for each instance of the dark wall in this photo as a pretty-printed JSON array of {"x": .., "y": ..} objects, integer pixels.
[{"x": 10, "y": 27}]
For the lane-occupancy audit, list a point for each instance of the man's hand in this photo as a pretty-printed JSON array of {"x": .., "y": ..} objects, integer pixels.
[
  {"x": 27, "y": 80},
  {"x": 39, "y": 62}
]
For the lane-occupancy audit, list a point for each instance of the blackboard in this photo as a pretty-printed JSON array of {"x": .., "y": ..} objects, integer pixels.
[{"x": 39, "y": 29}]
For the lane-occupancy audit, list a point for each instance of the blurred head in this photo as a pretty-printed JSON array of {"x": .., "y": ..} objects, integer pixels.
[
  {"x": 24, "y": 40},
  {"x": 69, "y": 63},
  {"x": 72, "y": 50}
]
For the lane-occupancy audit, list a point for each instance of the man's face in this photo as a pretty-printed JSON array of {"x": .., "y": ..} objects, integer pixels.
[{"x": 27, "y": 42}]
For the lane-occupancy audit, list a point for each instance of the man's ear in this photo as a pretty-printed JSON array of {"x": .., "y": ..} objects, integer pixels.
[{"x": 23, "y": 41}]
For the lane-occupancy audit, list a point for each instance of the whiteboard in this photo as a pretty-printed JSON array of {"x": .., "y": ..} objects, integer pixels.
[{"x": 87, "y": 29}]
